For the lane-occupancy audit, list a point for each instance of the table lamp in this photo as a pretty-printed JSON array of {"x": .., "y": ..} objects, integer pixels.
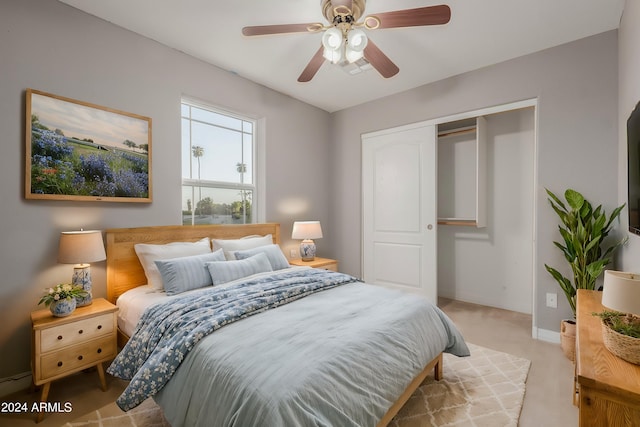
[
  {"x": 81, "y": 248},
  {"x": 307, "y": 231},
  {"x": 621, "y": 292}
]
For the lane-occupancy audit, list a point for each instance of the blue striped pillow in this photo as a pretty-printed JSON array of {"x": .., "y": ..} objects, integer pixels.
[
  {"x": 187, "y": 273},
  {"x": 227, "y": 271}
]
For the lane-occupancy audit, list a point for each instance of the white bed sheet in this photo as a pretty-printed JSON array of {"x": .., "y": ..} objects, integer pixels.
[{"x": 134, "y": 302}]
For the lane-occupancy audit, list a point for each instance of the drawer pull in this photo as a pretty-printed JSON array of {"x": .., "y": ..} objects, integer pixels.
[
  {"x": 59, "y": 337},
  {"x": 99, "y": 350},
  {"x": 99, "y": 326},
  {"x": 80, "y": 357},
  {"x": 80, "y": 331},
  {"x": 59, "y": 364}
]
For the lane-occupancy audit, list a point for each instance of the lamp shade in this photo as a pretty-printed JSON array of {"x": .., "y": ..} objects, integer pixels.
[
  {"x": 306, "y": 230},
  {"x": 621, "y": 291},
  {"x": 79, "y": 247}
]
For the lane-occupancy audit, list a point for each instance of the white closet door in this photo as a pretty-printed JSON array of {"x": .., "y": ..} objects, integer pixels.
[{"x": 399, "y": 170}]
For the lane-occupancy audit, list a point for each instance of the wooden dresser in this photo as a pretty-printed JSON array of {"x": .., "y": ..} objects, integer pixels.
[{"x": 608, "y": 387}]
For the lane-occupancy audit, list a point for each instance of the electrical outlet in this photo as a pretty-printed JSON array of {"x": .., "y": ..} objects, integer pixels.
[
  {"x": 552, "y": 300},
  {"x": 293, "y": 253}
]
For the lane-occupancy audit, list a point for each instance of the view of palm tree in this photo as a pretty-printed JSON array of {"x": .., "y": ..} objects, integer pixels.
[
  {"x": 197, "y": 153},
  {"x": 221, "y": 190}
]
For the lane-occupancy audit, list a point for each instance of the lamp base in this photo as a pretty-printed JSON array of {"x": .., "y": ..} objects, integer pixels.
[
  {"x": 82, "y": 277},
  {"x": 308, "y": 250}
]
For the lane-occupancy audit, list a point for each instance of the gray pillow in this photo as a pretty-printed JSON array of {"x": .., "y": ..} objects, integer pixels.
[
  {"x": 187, "y": 273},
  {"x": 227, "y": 271},
  {"x": 273, "y": 252}
]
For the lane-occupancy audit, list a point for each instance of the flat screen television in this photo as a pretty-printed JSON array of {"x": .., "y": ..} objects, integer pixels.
[{"x": 633, "y": 170}]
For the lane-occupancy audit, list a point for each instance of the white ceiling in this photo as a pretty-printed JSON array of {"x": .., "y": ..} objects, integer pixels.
[{"x": 480, "y": 33}]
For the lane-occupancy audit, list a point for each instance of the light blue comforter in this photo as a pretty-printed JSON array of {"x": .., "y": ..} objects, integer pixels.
[
  {"x": 335, "y": 358},
  {"x": 167, "y": 332}
]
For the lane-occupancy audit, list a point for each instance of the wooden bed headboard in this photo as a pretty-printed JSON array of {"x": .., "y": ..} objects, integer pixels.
[{"x": 124, "y": 270}]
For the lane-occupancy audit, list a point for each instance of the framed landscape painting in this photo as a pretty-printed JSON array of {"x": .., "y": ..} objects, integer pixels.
[{"x": 81, "y": 151}]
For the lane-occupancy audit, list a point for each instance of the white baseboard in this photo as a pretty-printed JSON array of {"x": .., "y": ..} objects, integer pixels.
[
  {"x": 15, "y": 383},
  {"x": 546, "y": 335}
]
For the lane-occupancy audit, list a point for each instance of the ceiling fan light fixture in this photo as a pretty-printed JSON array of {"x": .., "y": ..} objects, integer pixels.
[
  {"x": 332, "y": 41},
  {"x": 344, "y": 42},
  {"x": 353, "y": 55},
  {"x": 334, "y": 56},
  {"x": 356, "y": 42}
]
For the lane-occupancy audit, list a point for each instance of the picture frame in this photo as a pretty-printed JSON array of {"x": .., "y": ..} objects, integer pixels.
[{"x": 80, "y": 151}]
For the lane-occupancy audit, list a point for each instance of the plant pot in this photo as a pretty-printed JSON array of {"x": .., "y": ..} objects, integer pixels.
[
  {"x": 568, "y": 338},
  {"x": 63, "y": 307}
]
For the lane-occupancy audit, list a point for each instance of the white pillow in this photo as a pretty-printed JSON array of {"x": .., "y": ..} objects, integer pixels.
[
  {"x": 273, "y": 252},
  {"x": 148, "y": 254},
  {"x": 250, "y": 242},
  {"x": 227, "y": 271},
  {"x": 187, "y": 273}
]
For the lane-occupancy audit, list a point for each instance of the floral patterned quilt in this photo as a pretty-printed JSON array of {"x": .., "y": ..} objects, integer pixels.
[{"x": 168, "y": 331}]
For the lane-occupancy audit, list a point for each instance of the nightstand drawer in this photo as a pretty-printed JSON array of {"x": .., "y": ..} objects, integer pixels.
[
  {"x": 65, "y": 335},
  {"x": 77, "y": 357}
]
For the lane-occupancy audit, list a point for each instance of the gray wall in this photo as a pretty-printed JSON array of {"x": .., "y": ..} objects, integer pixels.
[
  {"x": 628, "y": 97},
  {"x": 576, "y": 88},
  {"x": 52, "y": 47}
]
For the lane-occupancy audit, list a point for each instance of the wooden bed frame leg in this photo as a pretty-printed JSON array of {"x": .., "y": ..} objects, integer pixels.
[
  {"x": 436, "y": 365},
  {"x": 437, "y": 370}
]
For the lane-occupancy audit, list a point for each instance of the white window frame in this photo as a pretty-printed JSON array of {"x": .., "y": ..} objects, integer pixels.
[{"x": 257, "y": 187}]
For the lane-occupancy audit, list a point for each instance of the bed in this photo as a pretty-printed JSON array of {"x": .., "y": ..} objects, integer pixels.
[{"x": 330, "y": 353}]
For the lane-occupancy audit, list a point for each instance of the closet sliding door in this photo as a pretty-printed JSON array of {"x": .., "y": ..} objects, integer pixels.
[{"x": 399, "y": 173}]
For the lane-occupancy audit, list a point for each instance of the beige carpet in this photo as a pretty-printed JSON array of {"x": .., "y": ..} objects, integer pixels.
[{"x": 484, "y": 390}]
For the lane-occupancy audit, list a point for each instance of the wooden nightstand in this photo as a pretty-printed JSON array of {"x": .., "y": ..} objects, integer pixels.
[
  {"x": 61, "y": 346},
  {"x": 324, "y": 263}
]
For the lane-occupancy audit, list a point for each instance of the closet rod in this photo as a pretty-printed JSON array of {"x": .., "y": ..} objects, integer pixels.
[{"x": 453, "y": 132}]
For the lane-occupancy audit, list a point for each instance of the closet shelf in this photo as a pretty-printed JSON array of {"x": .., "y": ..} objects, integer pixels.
[{"x": 458, "y": 221}]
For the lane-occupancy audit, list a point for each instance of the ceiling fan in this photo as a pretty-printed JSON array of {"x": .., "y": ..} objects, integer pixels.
[{"x": 344, "y": 42}]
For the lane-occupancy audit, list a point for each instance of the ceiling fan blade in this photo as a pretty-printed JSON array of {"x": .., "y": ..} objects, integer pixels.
[
  {"x": 312, "y": 67},
  {"x": 430, "y": 15},
  {"x": 262, "y": 30},
  {"x": 380, "y": 61}
]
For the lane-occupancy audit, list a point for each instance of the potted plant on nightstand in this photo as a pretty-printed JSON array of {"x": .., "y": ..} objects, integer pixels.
[
  {"x": 61, "y": 299},
  {"x": 583, "y": 230}
]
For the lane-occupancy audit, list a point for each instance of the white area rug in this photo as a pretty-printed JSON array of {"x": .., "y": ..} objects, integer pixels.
[{"x": 484, "y": 390}]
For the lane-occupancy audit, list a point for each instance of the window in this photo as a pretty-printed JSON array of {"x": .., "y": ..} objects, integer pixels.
[{"x": 218, "y": 166}]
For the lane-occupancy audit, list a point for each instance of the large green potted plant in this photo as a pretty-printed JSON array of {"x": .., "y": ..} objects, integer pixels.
[{"x": 583, "y": 230}]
